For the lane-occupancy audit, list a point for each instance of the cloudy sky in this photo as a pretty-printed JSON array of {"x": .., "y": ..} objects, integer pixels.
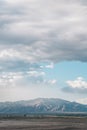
[{"x": 43, "y": 49}]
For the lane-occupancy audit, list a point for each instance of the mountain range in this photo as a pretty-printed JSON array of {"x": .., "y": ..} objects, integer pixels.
[{"x": 41, "y": 105}]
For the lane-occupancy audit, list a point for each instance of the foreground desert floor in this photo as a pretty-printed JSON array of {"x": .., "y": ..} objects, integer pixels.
[{"x": 44, "y": 123}]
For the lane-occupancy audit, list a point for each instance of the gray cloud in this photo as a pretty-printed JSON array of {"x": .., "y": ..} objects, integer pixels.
[
  {"x": 75, "y": 90},
  {"x": 39, "y": 31},
  {"x": 18, "y": 66}
]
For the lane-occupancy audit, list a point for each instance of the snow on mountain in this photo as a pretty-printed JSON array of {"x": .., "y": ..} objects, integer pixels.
[{"x": 41, "y": 105}]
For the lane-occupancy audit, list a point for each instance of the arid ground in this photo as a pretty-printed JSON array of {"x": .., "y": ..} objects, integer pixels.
[{"x": 44, "y": 123}]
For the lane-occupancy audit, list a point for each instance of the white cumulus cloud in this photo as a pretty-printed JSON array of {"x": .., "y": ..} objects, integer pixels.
[{"x": 78, "y": 83}]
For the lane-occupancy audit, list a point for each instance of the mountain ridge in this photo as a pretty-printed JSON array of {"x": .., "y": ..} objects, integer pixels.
[{"x": 41, "y": 105}]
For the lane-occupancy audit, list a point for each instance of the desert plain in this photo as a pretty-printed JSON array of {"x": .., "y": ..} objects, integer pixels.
[{"x": 43, "y": 123}]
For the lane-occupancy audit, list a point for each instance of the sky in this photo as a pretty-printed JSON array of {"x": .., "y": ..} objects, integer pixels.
[{"x": 43, "y": 49}]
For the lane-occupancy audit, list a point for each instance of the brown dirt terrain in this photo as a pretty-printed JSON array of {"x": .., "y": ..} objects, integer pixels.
[{"x": 44, "y": 123}]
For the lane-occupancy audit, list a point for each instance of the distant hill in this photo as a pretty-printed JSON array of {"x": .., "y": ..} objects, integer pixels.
[{"x": 41, "y": 105}]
